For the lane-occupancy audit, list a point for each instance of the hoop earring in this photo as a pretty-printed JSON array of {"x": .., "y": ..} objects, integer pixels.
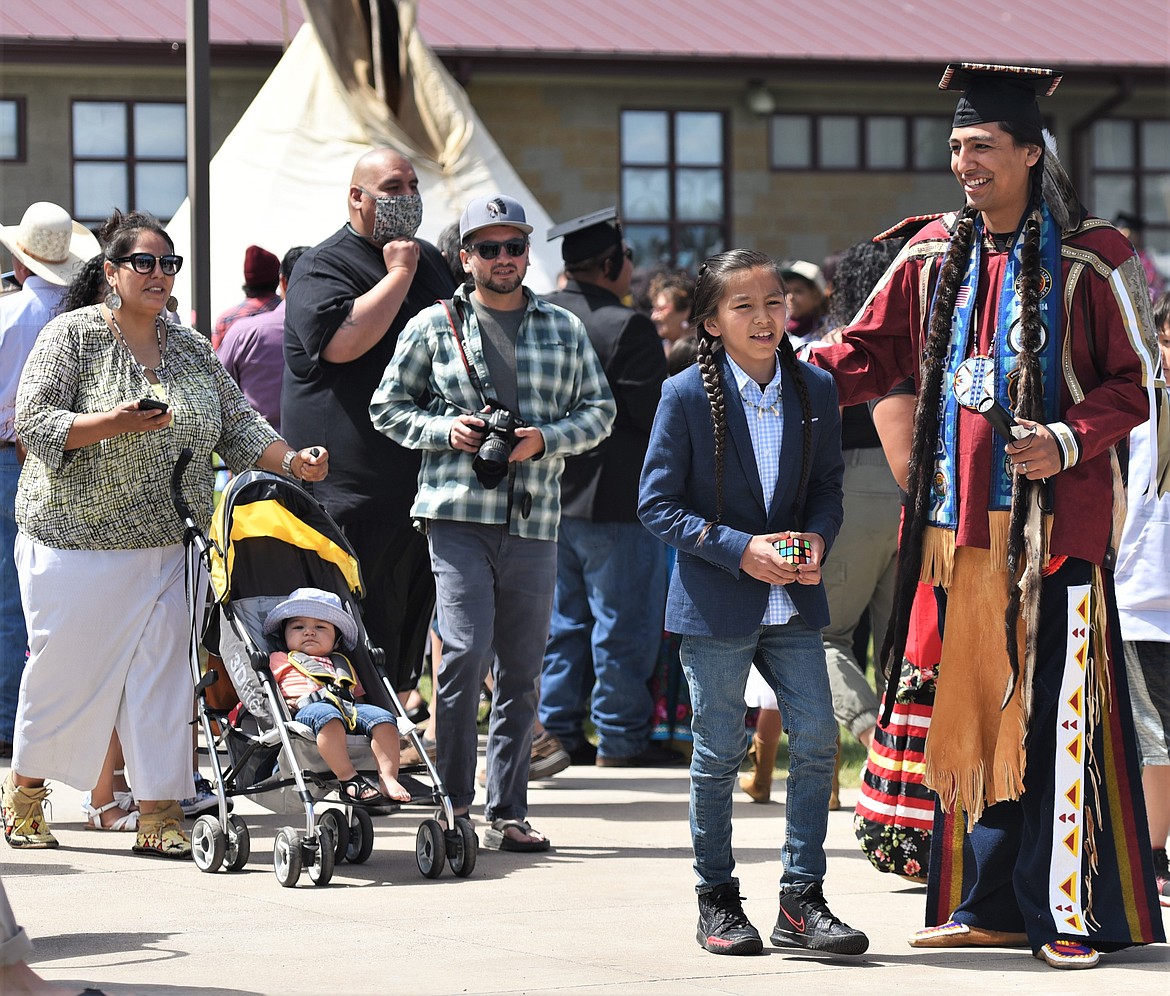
[{"x": 113, "y": 299}]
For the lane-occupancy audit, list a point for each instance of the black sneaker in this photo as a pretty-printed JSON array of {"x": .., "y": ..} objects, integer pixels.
[
  {"x": 805, "y": 921},
  {"x": 723, "y": 927}
]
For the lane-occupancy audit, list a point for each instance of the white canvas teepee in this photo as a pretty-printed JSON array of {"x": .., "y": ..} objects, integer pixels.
[{"x": 281, "y": 176}]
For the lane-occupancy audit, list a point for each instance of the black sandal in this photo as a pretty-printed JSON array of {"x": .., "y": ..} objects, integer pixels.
[{"x": 356, "y": 791}]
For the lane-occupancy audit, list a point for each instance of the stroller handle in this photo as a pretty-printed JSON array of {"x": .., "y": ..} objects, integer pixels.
[{"x": 177, "y": 499}]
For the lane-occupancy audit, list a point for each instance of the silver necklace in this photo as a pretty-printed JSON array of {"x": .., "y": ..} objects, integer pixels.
[{"x": 156, "y": 370}]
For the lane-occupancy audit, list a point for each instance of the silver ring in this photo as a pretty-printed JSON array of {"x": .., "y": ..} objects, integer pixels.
[{"x": 1025, "y": 466}]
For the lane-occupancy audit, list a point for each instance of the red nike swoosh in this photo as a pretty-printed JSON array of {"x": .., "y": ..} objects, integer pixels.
[{"x": 798, "y": 924}]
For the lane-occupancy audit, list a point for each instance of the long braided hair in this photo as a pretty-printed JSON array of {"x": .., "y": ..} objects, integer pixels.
[
  {"x": 710, "y": 288},
  {"x": 1030, "y": 404}
]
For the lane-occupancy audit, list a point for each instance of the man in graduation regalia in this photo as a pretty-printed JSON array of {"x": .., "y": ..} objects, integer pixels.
[{"x": 1027, "y": 329}]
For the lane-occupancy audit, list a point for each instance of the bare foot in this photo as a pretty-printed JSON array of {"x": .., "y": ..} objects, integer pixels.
[{"x": 393, "y": 790}]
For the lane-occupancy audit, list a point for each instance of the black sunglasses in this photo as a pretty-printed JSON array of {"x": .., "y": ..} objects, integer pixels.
[
  {"x": 143, "y": 262},
  {"x": 490, "y": 250}
]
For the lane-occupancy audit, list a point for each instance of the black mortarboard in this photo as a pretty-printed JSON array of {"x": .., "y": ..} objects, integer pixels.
[
  {"x": 998, "y": 93},
  {"x": 588, "y": 236}
]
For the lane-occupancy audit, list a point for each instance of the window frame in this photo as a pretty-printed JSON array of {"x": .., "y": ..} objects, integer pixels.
[
  {"x": 130, "y": 160},
  {"x": 20, "y": 103},
  {"x": 1139, "y": 171},
  {"x": 674, "y": 224},
  {"x": 815, "y": 164}
]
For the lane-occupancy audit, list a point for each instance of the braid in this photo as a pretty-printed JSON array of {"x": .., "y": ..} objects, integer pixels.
[
  {"x": 792, "y": 364},
  {"x": 713, "y": 384},
  {"x": 1030, "y": 405},
  {"x": 923, "y": 446}
]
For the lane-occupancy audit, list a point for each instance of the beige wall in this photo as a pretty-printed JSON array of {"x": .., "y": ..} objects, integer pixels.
[
  {"x": 48, "y": 93},
  {"x": 561, "y": 133}
]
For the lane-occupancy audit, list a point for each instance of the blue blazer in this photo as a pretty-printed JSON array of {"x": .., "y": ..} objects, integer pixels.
[{"x": 709, "y": 595}]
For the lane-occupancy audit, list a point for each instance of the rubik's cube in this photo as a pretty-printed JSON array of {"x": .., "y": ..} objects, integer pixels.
[{"x": 794, "y": 549}]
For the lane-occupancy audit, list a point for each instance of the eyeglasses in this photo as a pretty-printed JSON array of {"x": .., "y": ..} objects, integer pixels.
[
  {"x": 143, "y": 262},
  {"x": 628, "y": 253},
  {"x": 490, "y": 250}
]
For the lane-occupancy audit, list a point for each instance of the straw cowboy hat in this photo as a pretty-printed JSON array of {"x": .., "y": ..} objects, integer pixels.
[{"x": 49, "y": 242}]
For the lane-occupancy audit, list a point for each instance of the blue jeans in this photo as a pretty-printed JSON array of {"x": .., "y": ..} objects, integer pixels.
[
  {"x": 494, "y": 594},
  {"x": 13, "y": 638},
  {"x": 604, "y": 635},
  {"x": 792, "y": 659},
  {"x": 316, "y": 715}
]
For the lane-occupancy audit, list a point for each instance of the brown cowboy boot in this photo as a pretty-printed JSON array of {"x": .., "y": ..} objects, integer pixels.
[{"x": 757, "y": 783}]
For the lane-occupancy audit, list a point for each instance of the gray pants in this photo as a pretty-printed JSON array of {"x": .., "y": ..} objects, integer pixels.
[
  {"x": 859, "y": 576},
  {"x": 494, "y": 594}
]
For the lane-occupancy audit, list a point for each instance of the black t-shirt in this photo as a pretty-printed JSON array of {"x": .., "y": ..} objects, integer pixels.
[{"x": 328, "y": 403}]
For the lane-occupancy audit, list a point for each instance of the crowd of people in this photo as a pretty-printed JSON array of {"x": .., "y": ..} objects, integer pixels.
[{"x": 538, "y": 487}]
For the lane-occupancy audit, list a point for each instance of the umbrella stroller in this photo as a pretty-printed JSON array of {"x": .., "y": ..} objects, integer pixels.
[{"x": 269, "y": 536}]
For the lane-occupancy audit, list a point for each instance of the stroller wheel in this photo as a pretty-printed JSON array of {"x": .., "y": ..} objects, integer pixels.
[
  {"x": 208, "y": 844},
  {"x": 335, "y": 821},
  {"x": 239, "y": 844},
  {"x": 286, "y": 857},
  {"x": 430, "y": 850},
  {"x": 324, "y": 855},
  {"x": 361, "y": 837},
  {"x": 461, "y": 853}
]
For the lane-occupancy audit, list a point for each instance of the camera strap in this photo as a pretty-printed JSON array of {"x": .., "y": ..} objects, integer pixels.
[
  {"x": 456, "y": 326},
  {"x": 448, "y": 304}
]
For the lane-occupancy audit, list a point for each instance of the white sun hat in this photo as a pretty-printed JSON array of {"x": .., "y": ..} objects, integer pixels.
[
  {"x": 315, "y": 603},
  {"x": 49, "y": 242}
]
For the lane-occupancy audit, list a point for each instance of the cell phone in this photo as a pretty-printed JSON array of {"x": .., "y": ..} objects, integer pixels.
[
  {"x": 152, "y": 404},
  {"x": 1001, "y": 420}
]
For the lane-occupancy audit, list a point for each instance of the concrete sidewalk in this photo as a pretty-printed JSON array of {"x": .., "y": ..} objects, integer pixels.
[{"x": 610, "y": 910}]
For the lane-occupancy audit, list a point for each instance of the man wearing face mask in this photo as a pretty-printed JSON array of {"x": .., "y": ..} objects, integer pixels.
[{"x": 347, "y": 301}]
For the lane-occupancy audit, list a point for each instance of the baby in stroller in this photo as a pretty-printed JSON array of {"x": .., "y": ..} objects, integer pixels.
[{"x": 320, "y": 686}]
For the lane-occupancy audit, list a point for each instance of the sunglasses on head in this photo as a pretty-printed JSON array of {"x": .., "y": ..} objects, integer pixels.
[
  {"x": 143, "y": 262},
  {"x": 490, "y": 250}
]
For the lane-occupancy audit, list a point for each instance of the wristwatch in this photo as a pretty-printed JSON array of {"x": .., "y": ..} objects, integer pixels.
[{"x": 287, "y": 462}]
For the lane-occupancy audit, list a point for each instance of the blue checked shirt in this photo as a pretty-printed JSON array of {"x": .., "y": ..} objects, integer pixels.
[
  {"x": 765, "y": 419},
  {"x": 562, "y": 391}
]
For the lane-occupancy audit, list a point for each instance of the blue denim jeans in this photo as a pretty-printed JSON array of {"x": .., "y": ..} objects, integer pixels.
[
  {"x": 604, "y": 635},
  {"x": 494, "y": 594},
  {"x": 13, "y": 639},
  {"x": 792, "y": 659},
  {"x": 316, "y": 715}
]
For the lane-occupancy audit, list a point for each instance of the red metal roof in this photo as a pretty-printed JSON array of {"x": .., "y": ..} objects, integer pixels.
[
  {"x": 231, "y": 22},
  {"x": 1019, "y": 32},
  {"x": 1025, "y": 32}
]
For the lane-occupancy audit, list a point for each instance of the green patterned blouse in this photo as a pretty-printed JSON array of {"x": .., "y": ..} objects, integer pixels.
[{"x": 115, "y": 494}]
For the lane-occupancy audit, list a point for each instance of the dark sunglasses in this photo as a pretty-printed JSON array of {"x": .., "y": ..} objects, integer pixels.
[
  {"x": 490, "y": 250},
  {"x": 143, "y": 262}
]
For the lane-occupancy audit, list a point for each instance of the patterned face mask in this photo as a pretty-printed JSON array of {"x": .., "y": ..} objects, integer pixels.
[{"x": 396, "y": 217}]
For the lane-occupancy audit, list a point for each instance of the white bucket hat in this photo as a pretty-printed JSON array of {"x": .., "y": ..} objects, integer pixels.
[
  {"x": 315, "y": 603},
  {"x": 49, "y": 242}
]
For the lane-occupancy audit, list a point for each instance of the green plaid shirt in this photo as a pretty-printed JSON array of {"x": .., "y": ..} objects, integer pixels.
[
  {"x": 562, "y": 391},
  {"x": 115, "y": 494}
]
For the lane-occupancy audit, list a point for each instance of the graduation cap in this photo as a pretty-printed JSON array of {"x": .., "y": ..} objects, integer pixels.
[
  {"x": 588, "y": 236},
  {"x": 998, "y": 93}
]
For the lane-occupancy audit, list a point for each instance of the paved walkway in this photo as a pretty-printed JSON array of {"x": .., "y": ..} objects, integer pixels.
[{"x": 609, "y": 911}]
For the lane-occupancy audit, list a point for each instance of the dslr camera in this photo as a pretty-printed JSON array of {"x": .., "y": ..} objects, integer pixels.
[{"x": 499, "y": 439}]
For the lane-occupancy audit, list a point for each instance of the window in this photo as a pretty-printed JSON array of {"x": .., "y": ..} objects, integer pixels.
[
  {"x": 12, "y": 129},
  {"x": 1130, "y": 172},
  {"x": 878, "y": 142},
  {"x": 130, "y": 155},
  {"x": 674, "y": 185}
]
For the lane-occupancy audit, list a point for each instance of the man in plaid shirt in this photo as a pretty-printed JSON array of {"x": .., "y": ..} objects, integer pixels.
[{"x": 493, "y": 538}]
